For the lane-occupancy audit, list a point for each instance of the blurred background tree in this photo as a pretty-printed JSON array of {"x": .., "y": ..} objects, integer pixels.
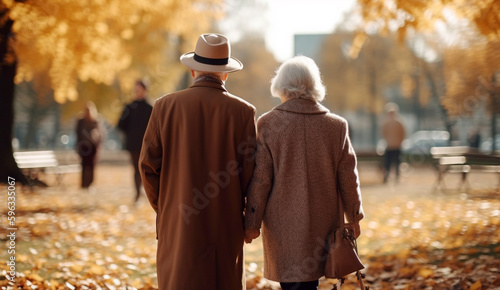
[
  {"x": 60, "y": 54},
  {"x": 471, "y": 80},
  {"x": 359, "y": 83},
  {"x": 70, "y": 48},
  {"x": 470, "y": 35},
  {"x": 386, "y": 15},
  {"x": 253, "y": 83}
]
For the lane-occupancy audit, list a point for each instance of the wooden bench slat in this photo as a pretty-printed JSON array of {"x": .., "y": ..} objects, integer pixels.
[
  {"x": 33, "y": 153},
  {"x": 455, "y": 150},
  {"x": 27, "y": 163},
  {"x": 36, "y": 165},
  {"x": 39, "y": 160},
  {"x": 38, "y": 156},
  {"x": 452, "y": 160}
]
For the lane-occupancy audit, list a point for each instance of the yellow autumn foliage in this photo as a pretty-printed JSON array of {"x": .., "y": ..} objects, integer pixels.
[
  {"x": 359, "y": 83},
  {"x": 422, "y": 15},
  {"x": 469, "y": 64},
  {"x": 468, "y": 72},
  {"x": 103, "y": 41}
]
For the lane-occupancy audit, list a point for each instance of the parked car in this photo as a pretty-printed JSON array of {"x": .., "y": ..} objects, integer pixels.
[
  {"x": 421, "y": 142},
  {"x": 417, "y": 148}
]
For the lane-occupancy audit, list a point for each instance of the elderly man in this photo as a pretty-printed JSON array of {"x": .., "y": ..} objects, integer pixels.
[{"x": 196, "y": 162}]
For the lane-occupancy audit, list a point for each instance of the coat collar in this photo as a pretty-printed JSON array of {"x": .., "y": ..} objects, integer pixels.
[
  {"x": 210, "y": 84},
  {"x": 302, "y": 106}
]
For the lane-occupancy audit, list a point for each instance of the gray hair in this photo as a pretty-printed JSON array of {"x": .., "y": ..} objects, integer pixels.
[{"x": 298, "y": 77}]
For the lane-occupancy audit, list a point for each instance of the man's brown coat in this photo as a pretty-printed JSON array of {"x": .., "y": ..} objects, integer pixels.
[{"x": 196, "y": 163}]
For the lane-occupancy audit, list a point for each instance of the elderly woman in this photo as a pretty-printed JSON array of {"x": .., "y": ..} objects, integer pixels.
[{"x": 305, "y": 164}]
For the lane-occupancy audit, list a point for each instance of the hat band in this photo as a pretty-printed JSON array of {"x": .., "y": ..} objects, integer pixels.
[{"x": 212, "y": 61}]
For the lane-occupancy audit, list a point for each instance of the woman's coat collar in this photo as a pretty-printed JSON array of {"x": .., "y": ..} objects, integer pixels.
[{"x": 302, "y": 106}]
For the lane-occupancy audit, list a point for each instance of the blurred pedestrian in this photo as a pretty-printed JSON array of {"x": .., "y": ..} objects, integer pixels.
[
  {"x": 305, "y": 164},
  {"x": 475, "y": 138},
  {"x": 133, "y": 123},
  {"x": 196, "y": 163},
  {"x": 89, "y": 134},
  {"x": 393, "y": 132}
]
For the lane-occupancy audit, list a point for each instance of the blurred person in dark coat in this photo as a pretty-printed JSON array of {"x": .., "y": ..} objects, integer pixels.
[
  {"x": 475, "y": 138},
  {"x": 133, "y": 123},
  {"x": 89, "y": 134},
  {"x": 196, "y": 163},
  {"x": 394, "y": 134}
]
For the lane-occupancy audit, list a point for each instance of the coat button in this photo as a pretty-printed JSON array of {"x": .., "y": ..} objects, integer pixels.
[{"x": 253, "y": 209}]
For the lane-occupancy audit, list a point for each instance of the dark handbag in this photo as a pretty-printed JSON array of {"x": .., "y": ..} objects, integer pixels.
[{"x": 342, "y": 258}]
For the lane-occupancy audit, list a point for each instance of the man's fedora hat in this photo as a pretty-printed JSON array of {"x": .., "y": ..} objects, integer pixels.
[{"x": 212, "y": 54}]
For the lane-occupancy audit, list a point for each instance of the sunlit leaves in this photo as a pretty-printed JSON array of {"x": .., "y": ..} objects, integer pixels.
[
  {"x": 100, "y": 40},
  {"x": 471, "y": 59},
  {"x": 411, "y": 239},
  {"x": 468, "y": 73},
  {"x": 74, "y": 242},
  {"x": 385, "y": 15}
]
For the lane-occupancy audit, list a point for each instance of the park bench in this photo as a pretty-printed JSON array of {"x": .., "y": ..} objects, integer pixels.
[
  {"x": 463, "y": 160},
  {"x": 32, "y": 163}
]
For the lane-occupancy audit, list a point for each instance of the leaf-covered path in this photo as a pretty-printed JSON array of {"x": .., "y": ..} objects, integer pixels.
[{"x": 412, "y": 238}]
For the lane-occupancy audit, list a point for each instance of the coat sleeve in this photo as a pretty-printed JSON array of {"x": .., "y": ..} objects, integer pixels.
[
  {"x": 348, "y": 179},
  {"x": 150, "y": 161},
  {"x": 260, "y": 186},
  {"x": 246, "y": 154}
]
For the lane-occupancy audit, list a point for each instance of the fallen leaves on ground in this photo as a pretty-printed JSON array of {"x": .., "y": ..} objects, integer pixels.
[
  {"x": 444, "y": 242},
  {"x": 73, "y": 239}
]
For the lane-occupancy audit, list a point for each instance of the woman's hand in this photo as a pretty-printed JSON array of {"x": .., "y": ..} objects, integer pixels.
[{"x": 251, "y": 234}]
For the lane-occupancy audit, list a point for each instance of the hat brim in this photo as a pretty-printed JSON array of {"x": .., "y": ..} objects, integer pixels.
[{"x": 233, "y": 64}]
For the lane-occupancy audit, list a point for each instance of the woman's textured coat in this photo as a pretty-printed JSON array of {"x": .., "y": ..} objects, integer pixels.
[
  {"x": 303, "y": 155},
  {"x": 196, "y": 163}
]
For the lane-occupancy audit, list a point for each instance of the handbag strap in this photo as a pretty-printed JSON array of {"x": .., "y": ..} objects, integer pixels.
[{"x": 340, "y": 207}]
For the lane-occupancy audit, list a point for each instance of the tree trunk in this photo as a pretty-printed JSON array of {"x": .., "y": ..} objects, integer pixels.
[
  {"x": 373, "y": 105},
  {"x": 448, "y": 124},
  {"x": 495, "y": 109},
  {"x": 30, "y": 137},
  {"x": 493, "y": 133},
  {"x": 8, "y": 166},
  {"x": 54, "y": 141}
]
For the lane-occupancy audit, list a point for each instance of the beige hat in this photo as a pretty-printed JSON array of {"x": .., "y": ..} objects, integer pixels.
[{"x": 212, "y": 54}]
